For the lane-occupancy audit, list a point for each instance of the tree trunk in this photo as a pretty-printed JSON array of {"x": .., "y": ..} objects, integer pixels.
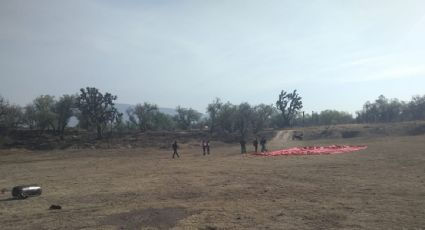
[
  {"x": 61, "y": 132},
  {"x": 99, "y": 132}
]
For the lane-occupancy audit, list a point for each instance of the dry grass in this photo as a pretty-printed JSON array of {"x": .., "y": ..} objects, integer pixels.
[{"x": 382, "y": 187}]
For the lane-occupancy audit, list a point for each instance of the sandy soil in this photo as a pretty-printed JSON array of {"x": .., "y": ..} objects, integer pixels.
[{"x": 382, "y": 187}]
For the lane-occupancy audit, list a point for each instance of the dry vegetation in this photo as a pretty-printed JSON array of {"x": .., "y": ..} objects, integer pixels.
[{"x": 382, "y": 187}]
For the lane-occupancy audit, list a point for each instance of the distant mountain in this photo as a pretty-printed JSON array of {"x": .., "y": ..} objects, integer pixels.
[{"x": 122, "y": 108}]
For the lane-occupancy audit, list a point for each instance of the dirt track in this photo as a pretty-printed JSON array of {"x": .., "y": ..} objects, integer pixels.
[
  {"x": 382, "y": 187},
  {"x": 282, "y": 138}
]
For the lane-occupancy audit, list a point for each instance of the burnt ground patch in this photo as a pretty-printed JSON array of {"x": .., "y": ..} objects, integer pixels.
[{"x": 161, "y": 218}]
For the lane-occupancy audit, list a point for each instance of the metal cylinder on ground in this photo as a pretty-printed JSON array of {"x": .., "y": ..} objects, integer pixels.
[{"x": 25, "y": 191}]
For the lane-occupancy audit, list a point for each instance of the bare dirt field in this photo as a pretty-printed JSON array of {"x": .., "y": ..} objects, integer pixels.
[{"x": 382, "y": 187}]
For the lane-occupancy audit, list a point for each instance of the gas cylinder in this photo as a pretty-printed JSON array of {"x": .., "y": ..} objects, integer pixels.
[{"x": 25, "y": 191}]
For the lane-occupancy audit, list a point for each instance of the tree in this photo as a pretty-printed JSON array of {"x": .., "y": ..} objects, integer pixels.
[
  {"x": 213, "y": 109},
  {"x": 4, "y": 105},
  {"x": 96, "y": 109},
  {"x": 415, "y": 109},
  {"x": 226, "y": 117},
  {"x": 332, "y": 117},
  {"x": 164, "y": 121},
  {"x": 289, "y": 104},
  {"x": 382, "y": 110},
  {"x": 369, "y": 113},
  {"x": 148, "y": 117},
  {"x": 262, "y": 115},
  {"x": 29, "y": 118},
  {"x": 10, "y": 115},
  {"x": 13, "y": 116},
  {"x": 64, "y": 110},
  {"x": 114, "y": 119},
  {"x": 186, "y": 118},
  {"x": 244, "y": 117},
  {"x": 144, "y": 116},
  {"x": 45, "y": 116}
]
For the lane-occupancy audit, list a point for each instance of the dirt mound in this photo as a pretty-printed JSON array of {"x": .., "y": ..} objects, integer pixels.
[
  {"x": 363, "y": 130},
  {"x": 419, "y": 130},
  {"x": 36, "y": 140}
]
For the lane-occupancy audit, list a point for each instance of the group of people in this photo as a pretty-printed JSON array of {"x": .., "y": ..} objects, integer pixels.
[
  {"x": 206, "y": 146},
  {"x": 255, "y": 144}
]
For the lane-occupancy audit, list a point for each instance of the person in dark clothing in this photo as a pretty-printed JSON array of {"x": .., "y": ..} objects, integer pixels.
[
  {"x": 175, "y": 147},
  {"x": 207, "y": 144},
  {"x": 263, "y": 144},
  {"x": 255, "y": 143},
  {"x": 204, "y": 146},
  {"x": 243, "y": 147}
]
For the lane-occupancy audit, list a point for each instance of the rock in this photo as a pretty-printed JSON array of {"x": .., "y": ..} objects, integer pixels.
[{"x": 55, "y": 207}]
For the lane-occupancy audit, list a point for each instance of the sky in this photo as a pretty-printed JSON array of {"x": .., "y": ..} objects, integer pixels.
[{"x": 337, "y": 54}]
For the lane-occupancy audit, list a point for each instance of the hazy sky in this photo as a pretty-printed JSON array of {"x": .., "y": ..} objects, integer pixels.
[{"x": 337, "y": 53}]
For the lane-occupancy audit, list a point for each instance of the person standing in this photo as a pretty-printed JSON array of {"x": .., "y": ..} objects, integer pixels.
[
  {"x": 263, "y": 144},
  {"x": 175, "y": 147},
  {"x": 243, "y": 147},
  {"x": 208, "y": 146},
  {"x": 255, "y": 143},
  {"x": 204, "y": 146}
]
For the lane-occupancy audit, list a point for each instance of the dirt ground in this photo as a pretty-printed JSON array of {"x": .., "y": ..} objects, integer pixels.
[{"x": 382, "y": 187}]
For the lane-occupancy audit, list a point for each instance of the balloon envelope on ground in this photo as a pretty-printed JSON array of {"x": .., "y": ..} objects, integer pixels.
[{"x": 314, "y": 150}]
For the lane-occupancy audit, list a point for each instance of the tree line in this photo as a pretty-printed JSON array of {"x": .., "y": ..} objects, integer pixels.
[
  {"x": 96, "y": 112},
  {"x": 392, "y": 110}
]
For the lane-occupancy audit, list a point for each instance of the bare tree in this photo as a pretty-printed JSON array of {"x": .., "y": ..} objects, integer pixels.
[{"x": 289, "y": 104}]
